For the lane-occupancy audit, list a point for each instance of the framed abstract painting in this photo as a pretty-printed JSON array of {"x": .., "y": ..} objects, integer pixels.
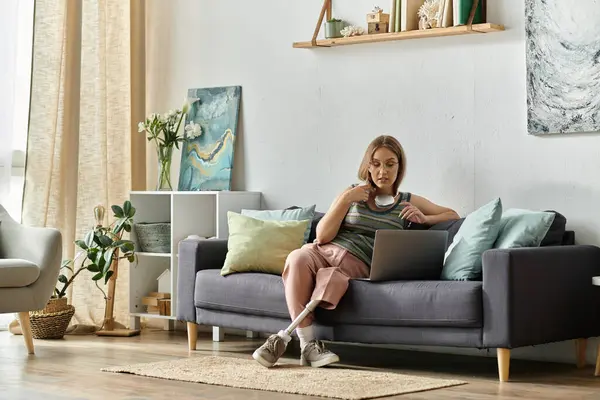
[
  {"x": 207, "y": 155},
  {"x": 563, "y": 66}
]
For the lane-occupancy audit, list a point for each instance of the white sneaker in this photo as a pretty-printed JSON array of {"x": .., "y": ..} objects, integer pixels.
[{"x": 316, "y": 355}]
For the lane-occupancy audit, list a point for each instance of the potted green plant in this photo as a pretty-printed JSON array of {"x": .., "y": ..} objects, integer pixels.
[
  {"x": 99, "y": 252},
  {"x": 333, "y": 28}
]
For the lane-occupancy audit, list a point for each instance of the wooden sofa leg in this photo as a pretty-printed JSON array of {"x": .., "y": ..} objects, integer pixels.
[
  {"x": 26, "y": 329},
  {"x": 192, "y": 331},
  {"x": 597, "y": 373},
  {"x": 218, "y": 334},
  {"x": 580, "y": 349},
  {"x": 251, "y": 335},
  {"x": 503, "y": 364}
]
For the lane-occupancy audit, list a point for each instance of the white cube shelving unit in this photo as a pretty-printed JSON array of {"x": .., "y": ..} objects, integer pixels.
[{"x": 190, "y": 213}]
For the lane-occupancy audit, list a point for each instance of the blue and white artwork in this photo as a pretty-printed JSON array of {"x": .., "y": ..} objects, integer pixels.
[
  {"x": 563, "y": 66},
  {"x": 207, "y": 160}
]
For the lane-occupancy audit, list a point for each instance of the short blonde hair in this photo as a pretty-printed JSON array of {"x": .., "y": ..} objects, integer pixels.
[{"x": 388, "y": 142}]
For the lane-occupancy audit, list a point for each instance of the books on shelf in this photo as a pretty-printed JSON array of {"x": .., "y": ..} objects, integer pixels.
[
  {"x": 404, "y": 14},
  {"x": 445, "y": 14},
  {"x": 462, "y": 10},
  {"x": 409, "y": 14},
  {"x": 395, "y": 15}
]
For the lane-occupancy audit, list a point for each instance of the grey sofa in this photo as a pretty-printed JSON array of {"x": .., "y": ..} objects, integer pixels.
[{"x": 527, "y": 296}]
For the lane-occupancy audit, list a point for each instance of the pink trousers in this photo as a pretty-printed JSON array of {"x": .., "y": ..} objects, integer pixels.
[{"x": 319, "y": 272}]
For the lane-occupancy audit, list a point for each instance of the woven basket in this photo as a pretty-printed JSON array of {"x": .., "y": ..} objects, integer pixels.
[
  {"x": 154, "y": 237},
  {"x": 53, "y": 321}
]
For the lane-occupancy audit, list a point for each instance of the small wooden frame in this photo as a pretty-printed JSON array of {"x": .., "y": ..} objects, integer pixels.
[
  {"x": 377, "y": 28},
  {"x": 392, "y": 36},
  {"x": 164, "y": 307},
  {"x": 378, "y": 17}
]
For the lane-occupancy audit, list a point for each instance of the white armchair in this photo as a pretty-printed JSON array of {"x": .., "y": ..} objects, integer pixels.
[{"x": 30, "y": 261}]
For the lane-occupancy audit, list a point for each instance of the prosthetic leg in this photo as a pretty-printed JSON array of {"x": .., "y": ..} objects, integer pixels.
[
  {"x": 268, "y": 354},
  {"x": 286, "y": 334},
  {"x": 315, "y": 356},
  {"x": 310, "y": 307}
]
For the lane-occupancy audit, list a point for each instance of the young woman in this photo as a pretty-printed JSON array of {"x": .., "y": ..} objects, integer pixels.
[{"x": 318, "y": 273}]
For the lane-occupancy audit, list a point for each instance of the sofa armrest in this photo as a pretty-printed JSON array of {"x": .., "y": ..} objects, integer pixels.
[
  {"x": 41, "y": 246},
  {"x": 540, "y": 295},
  {"x": 195, "y": 255}
]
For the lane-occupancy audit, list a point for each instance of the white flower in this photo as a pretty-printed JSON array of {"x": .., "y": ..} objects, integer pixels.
[
  {"x": 193, "y": 130},
  {"x": 141, "y": 127}
]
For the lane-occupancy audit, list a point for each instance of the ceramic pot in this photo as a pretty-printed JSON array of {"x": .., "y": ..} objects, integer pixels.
[{"x": 332, "y": 29}]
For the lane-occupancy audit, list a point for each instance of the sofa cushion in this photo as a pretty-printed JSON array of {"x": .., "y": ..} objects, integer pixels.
[
  {"x": 256, "y": 245},
  {"x": 476, "y": 235},
  {"x": 409, "y": 303},
  {"x": 244, "y": 293},
  {"x": 16, "y": 273},
  {"x": 556, "y": 233},
  {"x": 295, "y": 214},
  {"x": 568, "y": 238},
  {"x": 523, "y": 228},
  {"x": 313, "y": 226}
]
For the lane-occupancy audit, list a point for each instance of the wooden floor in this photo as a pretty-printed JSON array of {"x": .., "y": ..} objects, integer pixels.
[{"x": 70, "y": 369}]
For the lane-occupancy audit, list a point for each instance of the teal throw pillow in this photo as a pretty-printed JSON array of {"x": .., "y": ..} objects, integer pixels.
[
  {"x": 523, "y": 228},
  {"x": 297, "y": 214},
  {"x": 476, "y": 235}
]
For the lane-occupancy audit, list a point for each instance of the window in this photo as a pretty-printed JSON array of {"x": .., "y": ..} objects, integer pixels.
[{"x": 16, "y": 31}]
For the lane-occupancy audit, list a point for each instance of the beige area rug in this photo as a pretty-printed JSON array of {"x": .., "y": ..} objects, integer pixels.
[{"x": 340, "y": 383}]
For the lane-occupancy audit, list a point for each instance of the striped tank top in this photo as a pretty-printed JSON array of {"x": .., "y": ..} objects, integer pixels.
[{"x": 357, "y": 232}]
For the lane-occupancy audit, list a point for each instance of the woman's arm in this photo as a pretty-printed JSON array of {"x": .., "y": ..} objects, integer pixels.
[
  {"x": 427, "y": 212},
  {"x": 329, "y": 225}
]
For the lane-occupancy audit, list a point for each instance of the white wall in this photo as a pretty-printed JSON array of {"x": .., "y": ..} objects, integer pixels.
[{"x": 457, "y": 104}]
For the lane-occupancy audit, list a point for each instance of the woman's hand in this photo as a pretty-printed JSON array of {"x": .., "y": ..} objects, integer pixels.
[
  {"x": 330, "y": 224},
  {"x": 412, "y": 213},
  {"x": 358, "y": 193}
]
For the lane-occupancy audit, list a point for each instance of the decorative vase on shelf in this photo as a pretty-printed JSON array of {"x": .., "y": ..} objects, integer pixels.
[
  {"x": 333, "y": 28},
  {"x": 164, "y": 130},
  {"x": 165, "y": 155}
]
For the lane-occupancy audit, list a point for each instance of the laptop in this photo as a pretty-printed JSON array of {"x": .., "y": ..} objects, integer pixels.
[{"x": 408, "y": 255}]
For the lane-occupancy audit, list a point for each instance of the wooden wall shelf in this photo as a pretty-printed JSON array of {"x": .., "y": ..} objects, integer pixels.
[{"x": 418, "y": 34}]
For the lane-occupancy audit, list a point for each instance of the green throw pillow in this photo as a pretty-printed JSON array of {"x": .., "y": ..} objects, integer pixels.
[
  {"x": 297, "y": 214},
  {"x": 256, "y": 245},
  {"x": 523, "y": 228},
  {"x": 476, "y": 235}
]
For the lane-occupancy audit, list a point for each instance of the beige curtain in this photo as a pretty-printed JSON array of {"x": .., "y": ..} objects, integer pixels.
[{"x": 83, "y": 114}]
